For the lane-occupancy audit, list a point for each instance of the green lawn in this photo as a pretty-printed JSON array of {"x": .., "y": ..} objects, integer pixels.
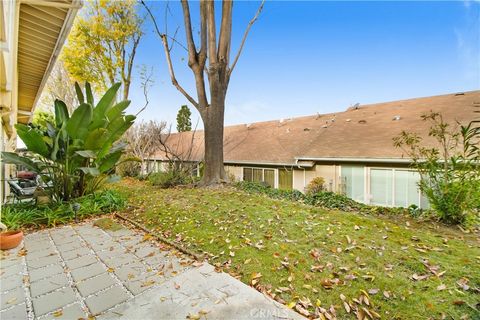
[{"x": 307, "y": 257}]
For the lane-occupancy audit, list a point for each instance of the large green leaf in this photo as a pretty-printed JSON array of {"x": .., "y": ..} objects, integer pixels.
[
  {"x": 116, "y": 129},
  {"x": 13, "y": 158},
  {"x": 78, "y": 90},
  {"x": 32, "y": 139},
  {"x": 77, "y": 126},
  {"x": 91, "y": 171},
  {"x": 96, "y": 139},
  {"x": 117, "y": 110},
  {"x": 108, "y": 99},
  {"x": 86, "y": 154},
  {"x": 88, "y": 91},
  {"x": 61, "y": 112},
  {"x": 109, "y": 162},
  {"x": 100, "y": 119}
]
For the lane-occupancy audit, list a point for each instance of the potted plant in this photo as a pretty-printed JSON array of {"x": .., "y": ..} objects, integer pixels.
[{"x": 9, "y": 239}]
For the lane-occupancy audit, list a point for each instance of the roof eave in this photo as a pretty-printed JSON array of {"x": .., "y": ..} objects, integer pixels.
[
  {"x": 67, "y": 26},
  {"x": 356, "y": 159}
]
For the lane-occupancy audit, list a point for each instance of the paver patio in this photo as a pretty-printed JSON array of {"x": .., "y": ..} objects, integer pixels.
[{"x": 81, "y": 271}]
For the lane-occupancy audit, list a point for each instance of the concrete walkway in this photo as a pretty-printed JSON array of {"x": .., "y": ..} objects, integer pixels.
[{"x": 82, "y": 271}]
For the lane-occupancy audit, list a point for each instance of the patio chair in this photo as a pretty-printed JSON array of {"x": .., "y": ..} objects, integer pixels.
[{"x": 21, "y": 191}]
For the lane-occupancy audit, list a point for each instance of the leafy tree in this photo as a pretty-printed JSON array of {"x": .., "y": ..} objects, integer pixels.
[
  {"x": 103, "y": 43},
  {"x": 212, "y": 69},
  {"x": 183, "y": 119},
  {"x": 60, "y": 85},
  {"x": 450, "y": 172},
  {"x": 41, "y": 118},
  {"x": 78, "y": 151}
]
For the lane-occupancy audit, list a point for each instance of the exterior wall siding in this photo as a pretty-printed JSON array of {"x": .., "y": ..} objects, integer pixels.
[{"x": 234, "y": 171}]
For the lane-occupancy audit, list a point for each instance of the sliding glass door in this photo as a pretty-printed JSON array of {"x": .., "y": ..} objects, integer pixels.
[
  {"x": 353, "y": 179},
  {"x": 381, "y": 186}
]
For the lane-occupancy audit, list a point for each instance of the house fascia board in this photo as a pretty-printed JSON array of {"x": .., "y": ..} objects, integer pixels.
[
  {"x": 259, "y": 163},
  {"x": 356, "y": 159}
]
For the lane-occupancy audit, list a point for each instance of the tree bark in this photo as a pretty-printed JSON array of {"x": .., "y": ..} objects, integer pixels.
[{"x": 213, "y": 118}]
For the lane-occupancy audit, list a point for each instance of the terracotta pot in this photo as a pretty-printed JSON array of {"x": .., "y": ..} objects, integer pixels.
[{"x": 10, "y": 239}]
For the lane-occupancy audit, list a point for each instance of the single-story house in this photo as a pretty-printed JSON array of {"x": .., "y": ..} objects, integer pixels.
[
  {"x": 32, "y": 33},
  {"x": 352, "y": 150}
]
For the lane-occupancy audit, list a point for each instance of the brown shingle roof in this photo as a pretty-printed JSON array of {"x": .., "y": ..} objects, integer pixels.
[{"x": 366, "y": 132}]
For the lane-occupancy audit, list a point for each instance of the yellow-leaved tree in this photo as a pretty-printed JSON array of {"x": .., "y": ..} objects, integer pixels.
[{"x": 103, "y": 42}]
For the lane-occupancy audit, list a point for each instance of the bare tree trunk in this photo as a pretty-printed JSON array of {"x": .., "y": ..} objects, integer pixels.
[
  {"x": 213, "y": 121},
  {"x": 215, "y": 50}
]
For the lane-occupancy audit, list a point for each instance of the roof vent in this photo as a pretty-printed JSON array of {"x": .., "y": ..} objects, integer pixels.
[
  {"x": 396, "y": 118},
  {"x": 459, "y": 94},
  {"x": 356, "y": 106},
  {"x": 362, "y": 121}
]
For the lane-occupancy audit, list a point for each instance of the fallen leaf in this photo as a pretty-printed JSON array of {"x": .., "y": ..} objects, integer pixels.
[
  {"x": 441, "y": 287},
  {"x": 417, "y": 277},
  {"x": 58, "y": 313},
  {"x": 373, "y": 291},
  {"x": 148, "y": 283}
]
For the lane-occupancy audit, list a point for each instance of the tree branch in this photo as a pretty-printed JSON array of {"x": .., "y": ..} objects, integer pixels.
[
  {"x": 212, "y": 31},
  {"x": 163, "y": 37},
  {"x": 225, "y": 32},
  {"x": 172, "y": 74},
  {"x": 257, "y": 14},
  {"x": 192, "y": 51}
]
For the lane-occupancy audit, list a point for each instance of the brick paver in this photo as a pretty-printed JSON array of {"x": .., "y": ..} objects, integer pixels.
[{"x": 81, "y": 271}]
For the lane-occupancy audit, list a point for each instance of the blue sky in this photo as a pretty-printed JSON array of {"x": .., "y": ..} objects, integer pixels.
[{"x": 307, "y": 57}]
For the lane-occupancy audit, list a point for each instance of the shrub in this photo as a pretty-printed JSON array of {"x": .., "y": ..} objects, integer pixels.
[
  {"x": 168, "y": 179},
  {"x": 24, "y": 215},
  {"x": 450, "y": 173},
  {"x": 333, "y": 200},
  {"x": 315, "y": 186},
  {"x": 325, "y": 199},
  {"x": 76, "y": 152}
]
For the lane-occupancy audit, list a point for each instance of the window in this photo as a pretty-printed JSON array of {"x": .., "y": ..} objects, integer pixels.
[
  {"x": 247, "y": 174},
  {"x": 406, "y": 188},
  {"x": 259, "y": 175},
  {"x": 285, "y": 179},
  {"x": 353, "y": 178},
  {"x": 396, "y": 187},
  {"x": 381, "y": 186},
  {"x": 269, "y": 177}
]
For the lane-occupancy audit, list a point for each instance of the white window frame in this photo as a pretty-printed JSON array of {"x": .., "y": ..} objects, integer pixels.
[{"x": 368, "y": 189}]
